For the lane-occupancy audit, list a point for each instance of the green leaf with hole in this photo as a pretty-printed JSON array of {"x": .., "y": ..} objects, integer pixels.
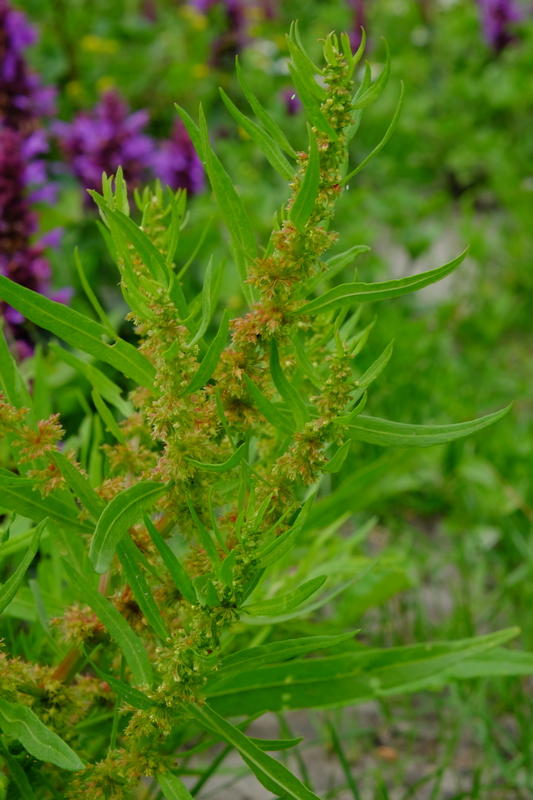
[
  {"x": 262, "y": 140},
  {"x": 10, "y": 587},
  {"x": 121, "y": 513},
  {"x": 350, "y": 293},
  {"x": 177, "y": 573},
  {"x": 282, "y": 605},
  {"x": 19, "y": 722},
  {"x": 79, "y": 331},
  {"x": 129, "y": 643},
  {"x": 211, "y": 358},
  {"x": 385, "y": 433}
]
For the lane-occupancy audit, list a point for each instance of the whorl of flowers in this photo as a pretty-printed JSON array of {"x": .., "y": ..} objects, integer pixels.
[{"x": 497, "y": 19}]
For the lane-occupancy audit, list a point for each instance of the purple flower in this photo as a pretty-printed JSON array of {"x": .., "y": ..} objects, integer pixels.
[
  {"x": 359, "y": 21},
  {"x": 176, "y": 163},
  {"x": 104, "y": 139},
  {"x": 497, "y": 18}
]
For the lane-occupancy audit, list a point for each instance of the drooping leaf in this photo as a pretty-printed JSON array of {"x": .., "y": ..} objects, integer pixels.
[
  {"x": 263, "y": 764},
  {"x": 177, "y": 573},
  {"x": 121, "y": 513},
  {"x": 349, "y": 293},
  {"x": 397, "y": 434},
  {"x": 281, "y": 605},
  {"x": 268, "y": 123},
  {"x": 305, "y": 200},
  {"x": 345, "y": 679},
  {"x": 233, "y": 461},
  {"x": 390, "y": 130},
  {"x": 21, "y": 723},
  {"x": 126, "y": 551},
  {"x": 211, "y": 358},
  {"x": 271, "y": 413},
  {"x": 286, "y": 389},
  {"x": 262, "y": 139},
  {"x": 79, "y": 331},
  {"x": 131, "y": 646},
  {"x": 10, "y": 587}
]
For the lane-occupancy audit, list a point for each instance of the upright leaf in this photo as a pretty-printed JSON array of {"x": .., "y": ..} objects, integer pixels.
[
  {"x": 126, "y": 551},
  {"x": 121, "y": 513},
  {"x": 312, "y": 108},
  {"x": 10, "y": 587},
  {"x": 177, "y": 573},
  {"x": 271, "y": 413},
  {"x": 286, "y": 389},
  {"x": 172, "y": 787},
  {"x": 377, "y": 87},
  {"x": 211, "y": 358},
  {"x": 305, "y": 200}
]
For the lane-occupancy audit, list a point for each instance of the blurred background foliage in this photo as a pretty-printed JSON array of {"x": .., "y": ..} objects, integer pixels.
[{"x": 454, "y": 523}]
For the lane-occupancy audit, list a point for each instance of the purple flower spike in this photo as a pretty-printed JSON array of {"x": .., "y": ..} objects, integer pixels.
[
  {"x": 359, "y": 21},
  {"x": 497, "y": 18},
  {"x": 176, "y": 163},
  {"x": 107, "y": 138}
]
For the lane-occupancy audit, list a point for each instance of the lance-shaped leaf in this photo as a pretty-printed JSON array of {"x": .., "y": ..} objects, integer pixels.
[
  {"x": 172, "y": 787},
  {"x": 211, "y": 358},
  {"x": 271, "y": 413},
  {"x": 18, "y": 776},
  {"x": 79, "y": 486},
  {"x": 120, "y": 514},
  {"x": 19, "y": 496},
  {"x": 311, "y": 106},
  {"x": 133, "y": 696},
  {"x": 349, "y": 293},
  {"x": 233, "y": 461},
  {"x": 138, "y": 585},
  {"x": 19, "y": 722},
  {"x": 381, "y": 145},
  {"x": 304, "y": 362},
  {"x": 276, "y": 652},
  {"x": 177, "y": 573},
  {"x": 335, "y": 463},
  {"x": 305, "y": 70},
  {"x": 207, "y": 297},
  {"x": 131, "y": 646},
  {"x": 268, "y": 123},
  {"x": 286, "y": 389},
  {"x": 107, "y": 417},
  {"x": 397, "y": 434},
  {"x": 205, "y": 538},
  {"x": 345, "y": 679},
  {"x": 79, "y": 331},
  {"x": 282, "y": 605},
  {"x": 92, "y": 297},
  {"x": 109, "y": 390},
  {"x": 334, "y": 265},
  {"x": 10, "y": 587},
  {"x": 305, "y": 200},
  {"x": 373, "y": 372},
  {"x": 262, "y": 139},
  {"x": 377, "y": 87},
  {"x": 282, "y": 544},
  {"x": 12, "y": 385},
  {"x": 266, "y": 768}
]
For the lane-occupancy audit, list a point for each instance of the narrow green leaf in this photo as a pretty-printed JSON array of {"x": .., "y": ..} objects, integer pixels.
[
  {"x": 312, "y": 108},
  {"x": 286, "y": 389},
  {"x": 10, "y": 587},
  {"x": 233, "y": 461},
  {"x": 357, "y": 115},
  {"x": 268, "y": 123},
  {"x": 211, "y": 358},
  {"x": 282, "y": 544},
  {"x": 172, "y": 787},
  {"x": 397, "y": 434},
  {"x": 107, "y": 417},
  {"x": 305, "y": 71},
  {"x": 304, "y": 362},
  {"x": 230, "y": 203},
  {"x": 281, "y": 605},
  {"x": 207, "y": 296},
  {"x": 91, "y": 296},
  {"x": 263, "y": 764},
  {"x": 334, "y": 265},
  {"x": 273, "y": 745},
  {"x": 126, "y": 551},
  {"x": 335, "y": 463},
  {"x": 131, "y": 646},
  {"x": 177, "y": 573},
  {"x": 79, "y": 331},
  {"x": 19, "y": 722},
  {"x": 304, "y": 203},
  {"x": 295, "y": 35},
  {"x": 18, "y": 776},
  {"x": 19, "y": 496},
  {"x": 121, "y": 513},
  {"x": 377, "y": 87},
  {"x": 381, "y": 145},
  {"x": 126, "y": 692},
  {"x": 262, "y": 139},
  {"x": 349, "y": 293},
  {"x": 173, "y": 231},
  {"x": 108, "y": 390},
  {"x": 275, "y": 652},
  {"x": 205, "y": 538},
  {"x": 12, "y": 385},
  {"x": 267, "y": 408},
  {"x": 226, "y": 570}
]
